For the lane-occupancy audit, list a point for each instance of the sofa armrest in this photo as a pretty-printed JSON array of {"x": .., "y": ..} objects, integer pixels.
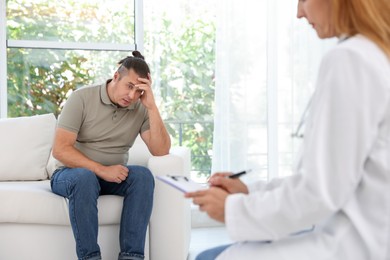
[{"x": 170, "y": 224}]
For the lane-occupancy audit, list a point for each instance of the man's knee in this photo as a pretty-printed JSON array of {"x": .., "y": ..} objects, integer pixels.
[
  {"x": 86, "y": 180},
  {"x": 140, "y": 174},
  {"x": 73, "y": 181},
  {"x": 85, "y": 175}
]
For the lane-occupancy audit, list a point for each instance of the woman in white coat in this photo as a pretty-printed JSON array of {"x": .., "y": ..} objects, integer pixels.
[{"x": 341, "y": 185}]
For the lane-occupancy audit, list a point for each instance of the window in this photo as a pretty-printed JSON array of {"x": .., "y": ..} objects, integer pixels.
[
  {"x": 108, "y": 21},
  {"x": 180, "y": 46},
  {"x": 266, "y": 67},
  {"x": 55, "y": 47}
]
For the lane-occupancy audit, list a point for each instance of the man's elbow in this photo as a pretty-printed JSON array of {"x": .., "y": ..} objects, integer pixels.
[
  {"x": 161, "y": 151},
  {"x": 56, "y": 152}
]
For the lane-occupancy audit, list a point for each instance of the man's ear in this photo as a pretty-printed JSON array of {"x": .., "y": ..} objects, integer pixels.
[{"x": 116, "y": 76}]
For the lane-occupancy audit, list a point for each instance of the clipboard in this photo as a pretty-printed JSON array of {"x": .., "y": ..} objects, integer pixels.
[{"x": 182, "y": 183}]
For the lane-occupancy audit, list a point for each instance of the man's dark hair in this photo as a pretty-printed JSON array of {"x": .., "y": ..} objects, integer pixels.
[{"x": 135, "y": 62}]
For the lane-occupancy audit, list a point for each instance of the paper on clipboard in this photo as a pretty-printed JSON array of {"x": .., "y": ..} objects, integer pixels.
[{"x": 182, "y": 183}]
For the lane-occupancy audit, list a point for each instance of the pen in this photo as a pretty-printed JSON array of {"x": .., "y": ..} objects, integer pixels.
[{"x": 238, "y": 174}]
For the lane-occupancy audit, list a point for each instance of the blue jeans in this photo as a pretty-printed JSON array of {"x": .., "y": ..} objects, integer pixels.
[
  {"x": 82, "y": 187},
  {"x": 211, "y": 254}
]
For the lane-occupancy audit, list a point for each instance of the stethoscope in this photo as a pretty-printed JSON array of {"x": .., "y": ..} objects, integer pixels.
[{"x": 297, "y": 133}]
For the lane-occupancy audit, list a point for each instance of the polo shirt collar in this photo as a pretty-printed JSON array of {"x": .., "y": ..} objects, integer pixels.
[{"x": 107, "y": 101}]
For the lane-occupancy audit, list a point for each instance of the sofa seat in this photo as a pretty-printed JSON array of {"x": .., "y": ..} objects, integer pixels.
[
  {"x": 34, "y": 222},
  {"x": 33, "y": 202}
]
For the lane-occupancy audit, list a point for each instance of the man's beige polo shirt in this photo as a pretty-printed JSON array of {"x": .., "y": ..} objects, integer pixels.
[{"x": 104, "y": 131}]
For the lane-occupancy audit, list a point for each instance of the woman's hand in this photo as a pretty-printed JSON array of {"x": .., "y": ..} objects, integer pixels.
[
  {"x": 212, "y": 201},
  {"x": 222, "y": 180}
]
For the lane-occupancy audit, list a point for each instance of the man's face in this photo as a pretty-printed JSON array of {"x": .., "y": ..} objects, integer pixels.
[{"x": 125, "y": 91}]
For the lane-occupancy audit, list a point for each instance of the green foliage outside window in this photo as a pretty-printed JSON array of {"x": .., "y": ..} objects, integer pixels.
[
  {"x": 186, "y": 65},
  {"x": 39, "y": 81},
  {"x": 42, "y": 88}
]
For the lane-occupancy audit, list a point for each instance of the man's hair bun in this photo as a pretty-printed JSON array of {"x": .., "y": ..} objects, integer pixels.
[
  {"x": 135, "y": 62},
  {"x": 137, "y": 54}
]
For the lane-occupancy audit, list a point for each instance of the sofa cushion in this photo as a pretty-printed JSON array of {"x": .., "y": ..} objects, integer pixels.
[
  {"x": 25, "y": 147},
  {"x": 139, "y": 153},
  {"x": 33, "y": 202}
]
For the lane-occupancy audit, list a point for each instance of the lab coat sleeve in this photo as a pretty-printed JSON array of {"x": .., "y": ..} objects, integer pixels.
[
  {"x": 347, "y": 107},
  {"x": 264, "y": 186}
]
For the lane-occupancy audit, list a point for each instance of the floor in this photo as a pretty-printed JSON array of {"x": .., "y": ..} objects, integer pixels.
[{"x": 205, "y": 238}]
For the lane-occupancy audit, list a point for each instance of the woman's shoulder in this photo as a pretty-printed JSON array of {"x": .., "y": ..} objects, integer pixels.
[
  {"x": 359, "y": 48},
  {"x": 361, "y": 44}
]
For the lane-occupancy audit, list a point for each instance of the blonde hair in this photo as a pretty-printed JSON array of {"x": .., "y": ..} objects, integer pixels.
[{"x": 370, "y": 18}]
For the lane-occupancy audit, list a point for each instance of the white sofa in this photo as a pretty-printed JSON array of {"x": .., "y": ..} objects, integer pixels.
[{"x": 34, "y": 222}]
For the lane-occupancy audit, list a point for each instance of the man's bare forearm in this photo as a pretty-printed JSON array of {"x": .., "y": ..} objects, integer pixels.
[
  {"x": 159, "y": 142},
  {"x": 73, "y": 158}
]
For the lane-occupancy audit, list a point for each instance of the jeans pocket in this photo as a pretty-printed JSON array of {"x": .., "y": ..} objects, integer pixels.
[
  {"x": 58, "y": 185},
  {"x": 53, "y": 177}
]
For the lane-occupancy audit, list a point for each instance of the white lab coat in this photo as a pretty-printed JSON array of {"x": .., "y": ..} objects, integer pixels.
[{"x": 342, "y": 180}]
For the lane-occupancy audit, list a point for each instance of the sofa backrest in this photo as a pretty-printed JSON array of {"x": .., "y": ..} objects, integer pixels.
[
  {"x": 139, "y": 153},
  {"x": 25, "y": 145}
]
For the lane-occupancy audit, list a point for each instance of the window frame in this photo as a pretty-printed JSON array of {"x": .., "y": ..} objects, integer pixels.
[{"x": 31, "y": 44}]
